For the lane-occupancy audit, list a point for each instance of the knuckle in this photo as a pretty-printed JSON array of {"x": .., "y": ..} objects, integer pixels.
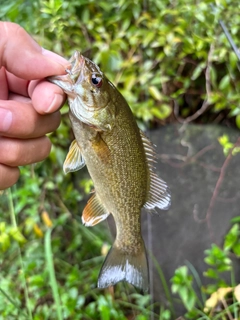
[
  {"x": 14, "y": 153},
  {"x": 46, "y": 147},
  {"x": 8, "y": 176}
]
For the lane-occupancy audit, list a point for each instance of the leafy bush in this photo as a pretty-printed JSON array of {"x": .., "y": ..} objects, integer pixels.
[{"x": 163, "y": 56}]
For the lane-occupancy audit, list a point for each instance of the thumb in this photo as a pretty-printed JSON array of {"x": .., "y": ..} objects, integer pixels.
[{"x": 23, "y": 57}]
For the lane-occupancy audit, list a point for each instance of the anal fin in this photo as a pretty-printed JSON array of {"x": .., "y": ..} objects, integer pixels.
[
  {"x": 94, "y": 212},
  {"x": 74, "y": 160}
]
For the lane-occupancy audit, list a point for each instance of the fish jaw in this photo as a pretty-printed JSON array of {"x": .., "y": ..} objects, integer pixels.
[
  {"x": 88, "y": 102},
  {"x": 73, "y": 76}
]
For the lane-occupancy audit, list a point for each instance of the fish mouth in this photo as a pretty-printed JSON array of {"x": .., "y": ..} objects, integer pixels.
[
  {"x": 78, "y": 62},
  {"x": 74, "y": 83},
  {"x": 74, "y": 75}
]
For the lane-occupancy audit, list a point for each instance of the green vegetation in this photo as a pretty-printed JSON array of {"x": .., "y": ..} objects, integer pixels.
[
  {"x": 173, "y": 63},
  {"x": 224, "y": 299},
  {"x": 163, "y": 55}
]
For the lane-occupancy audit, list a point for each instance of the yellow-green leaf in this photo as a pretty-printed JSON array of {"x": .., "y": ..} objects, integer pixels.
[{"x": 155, "y": 93}]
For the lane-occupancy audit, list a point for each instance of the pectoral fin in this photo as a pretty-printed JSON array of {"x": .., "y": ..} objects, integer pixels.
[
  {"x": 94, "y": 212},
  {"x": 74, "y": 160}
]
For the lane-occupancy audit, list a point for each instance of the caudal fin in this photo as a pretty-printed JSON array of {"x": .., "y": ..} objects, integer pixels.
[{"x": 121, "y": 266}]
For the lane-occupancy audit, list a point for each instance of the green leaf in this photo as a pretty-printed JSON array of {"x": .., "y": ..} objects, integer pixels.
[
  {"x": 162, "y": 112},
  {"x": 2, "y": 227},
  {"x": 224, "y": 83},
  {"x": 238, "y": 121},
  {"x": 211, "y": 273},
  {"x": 155, "y": 93},
  {"x": 235, "y": 219},
  {"x": 236, "y": 249},
  {"x": 197, "y": 71},
  {"x": 17, "y": 235},
  {"x": 4, "y": 241},
  {"x": 231, "y": 237}
]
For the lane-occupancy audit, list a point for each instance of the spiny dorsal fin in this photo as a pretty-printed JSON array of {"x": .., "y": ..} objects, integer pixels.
[
  {"x": 94, "y": 212},
  {"x": 74, "y": 160},
  {"x": 159, "y": 195}
]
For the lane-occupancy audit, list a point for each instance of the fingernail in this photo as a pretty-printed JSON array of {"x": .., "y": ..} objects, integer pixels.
[
  {"x": 5, "y": 119},
  {"x": 56, "y": 103},
  {"x": 55, "y": 57}
]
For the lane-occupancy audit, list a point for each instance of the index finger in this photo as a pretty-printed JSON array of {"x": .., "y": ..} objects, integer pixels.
[{"x": 23, "y": 57}]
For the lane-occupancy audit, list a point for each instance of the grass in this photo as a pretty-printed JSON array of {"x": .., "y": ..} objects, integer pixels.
[
  {"x": 51, "y": 272},
  {"x": 14, "y": 224}
]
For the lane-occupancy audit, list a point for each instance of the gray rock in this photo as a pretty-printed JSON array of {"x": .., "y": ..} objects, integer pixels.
[{"x": 190, "y": 161}]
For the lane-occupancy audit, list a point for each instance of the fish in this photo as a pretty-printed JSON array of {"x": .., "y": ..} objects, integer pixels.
[{"x": 120, "y": 160}]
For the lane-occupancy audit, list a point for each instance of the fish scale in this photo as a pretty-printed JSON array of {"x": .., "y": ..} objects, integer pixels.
[{"x": 120, "y": 160}]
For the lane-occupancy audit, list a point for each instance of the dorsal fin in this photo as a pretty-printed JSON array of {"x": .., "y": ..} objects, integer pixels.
[
  {"x": 159, "y": 194},
  {"x": 94, "y": 212}
]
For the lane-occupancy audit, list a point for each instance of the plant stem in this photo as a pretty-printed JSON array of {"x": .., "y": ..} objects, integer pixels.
[{"x": 14, "y": 223}]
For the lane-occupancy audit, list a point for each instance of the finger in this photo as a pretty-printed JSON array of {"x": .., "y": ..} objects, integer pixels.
[
  {"x": 8, "y": 176},
  {"x": 22, "y": 56},
  {"x": 16, "y": 152},
  {"x": 19, "y": 119},
  {"x": 46, "y": 96},
  {"x": 18, "y": 98},
  {"x": 16, "y": 84},
  {"x": 3, "y": 86}
]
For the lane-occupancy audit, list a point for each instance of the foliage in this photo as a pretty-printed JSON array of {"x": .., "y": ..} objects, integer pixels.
[
  {"x": 224, "y": 299},
  {"x": 160, "y": 54},
  {"x": 232, "y": 239},
  {"x": 169, "y": 59},
  {"x": 228, "y": 146},
  {"x": 182, "y": 284}
]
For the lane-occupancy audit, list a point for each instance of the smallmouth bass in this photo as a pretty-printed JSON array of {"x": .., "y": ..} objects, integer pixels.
[{"x": 119, "y": 159}]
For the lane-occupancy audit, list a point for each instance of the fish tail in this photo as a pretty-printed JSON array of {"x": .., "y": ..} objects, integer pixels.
[{"x": 120, "y": 265}]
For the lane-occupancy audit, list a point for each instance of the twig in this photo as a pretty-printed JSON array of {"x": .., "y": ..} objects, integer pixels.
[
  {"x": 208, "y": 166},
  {"x": 229, "y": 200},
  {"x": 226, "y": 308},
  {"x": 185, "y": 159},
  {"x": 216, "y": 189},
  {"x": 205, "y": 104}
]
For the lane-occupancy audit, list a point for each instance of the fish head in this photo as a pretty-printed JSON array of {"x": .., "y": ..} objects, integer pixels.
[{"x": 89, "y": 93}]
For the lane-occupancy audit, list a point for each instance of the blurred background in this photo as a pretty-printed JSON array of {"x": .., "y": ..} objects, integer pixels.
[{"x": 175, "y": 67}]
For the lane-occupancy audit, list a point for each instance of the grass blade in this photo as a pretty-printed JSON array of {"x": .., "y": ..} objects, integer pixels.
[
  {"x": 50, "y": 268},
  {"x": 164, "y": 283},
  {"x": 199, "y": 283}
]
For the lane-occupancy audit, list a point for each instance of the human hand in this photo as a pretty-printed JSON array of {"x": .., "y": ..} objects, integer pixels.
[{"x": 28, "y": 103}]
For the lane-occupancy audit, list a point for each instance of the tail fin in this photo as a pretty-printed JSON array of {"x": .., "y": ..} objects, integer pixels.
[{"x": 119, "y": 266}]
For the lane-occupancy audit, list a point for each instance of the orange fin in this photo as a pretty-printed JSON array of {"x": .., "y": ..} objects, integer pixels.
[
  {"x": 74, "y": 160},
  {"x": 121, "y": 266},
  {"x": 94, "y": 212},
  {"x": 159, "y": 194}
]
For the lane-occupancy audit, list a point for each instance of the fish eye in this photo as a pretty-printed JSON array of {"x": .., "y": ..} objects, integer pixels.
[{"x": 96, "y": 80}]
